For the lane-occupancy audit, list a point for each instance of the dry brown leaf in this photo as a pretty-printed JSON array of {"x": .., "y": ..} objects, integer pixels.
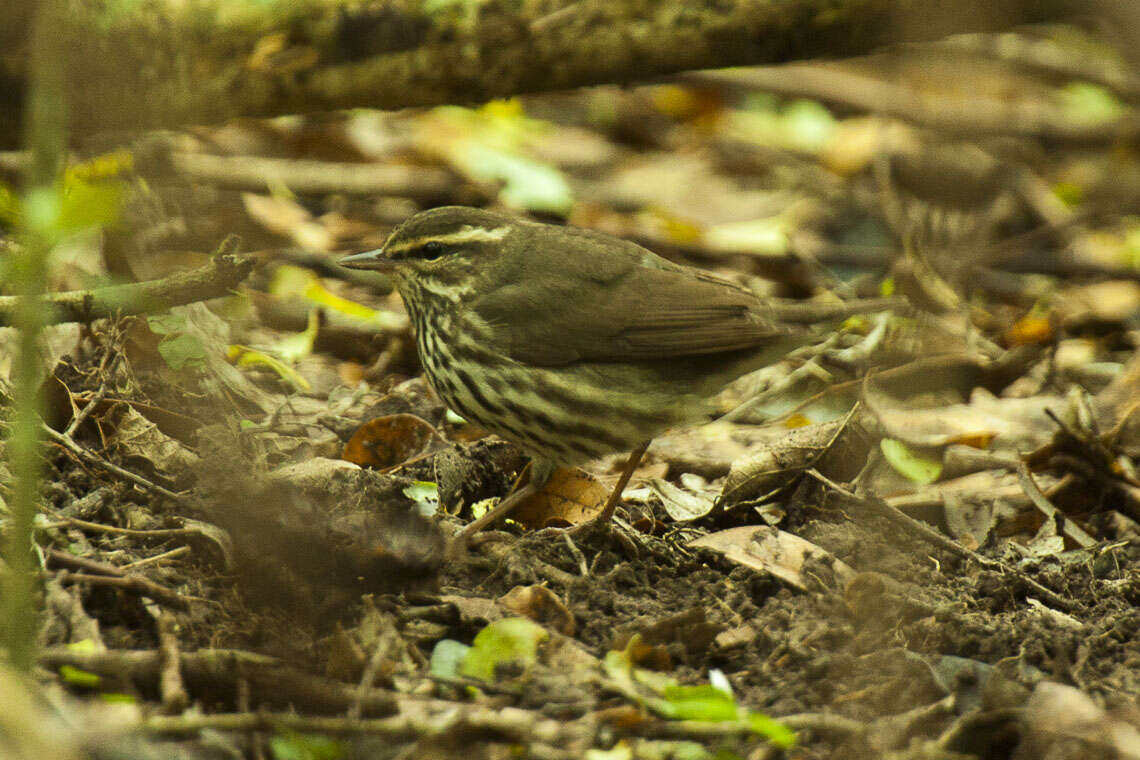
[
  {"x": 541, "y": 605},
  {"x": 571, "y": 497},
  {"x": 775, "y": 465},
  {"x": 769, "y": 550},
  {"x": 135, "y": 436},
  {"x": 391, "y": 440}
]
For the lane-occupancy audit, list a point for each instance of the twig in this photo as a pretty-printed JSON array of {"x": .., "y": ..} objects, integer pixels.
[
  {"x": 224, "y": 273},
  {"x": 919, "y": 530},
  {"x": 155, "y": 533},
  {"x": 82, "y": 414},
  {"x": 396, "y": 728},
  {"x": 89, "y": 456},
  {"x": 171, "y": 688},
  {"x": 583, "y": 568},
  {"x": 172, "y": 554},
  {"x": 1069, "y": 528},
  {"x": 72, "y": 562},
  {"x": 133, "y": 584},
  {"x": 823, "y": 722},
  {"x": 214, "y": 675},
  {"x": 380, "y": 653}
]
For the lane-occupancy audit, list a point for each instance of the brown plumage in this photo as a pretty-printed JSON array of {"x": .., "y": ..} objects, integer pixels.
[{"x": 571, "y": 343}]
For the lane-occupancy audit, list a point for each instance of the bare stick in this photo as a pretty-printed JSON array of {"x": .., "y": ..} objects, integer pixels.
[
  {"x": 91, "y": 457},
  {"x": 224, "y": 273}
]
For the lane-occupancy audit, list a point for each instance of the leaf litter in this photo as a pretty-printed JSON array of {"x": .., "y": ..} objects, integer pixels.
[{"x": 1007, "y": 427}]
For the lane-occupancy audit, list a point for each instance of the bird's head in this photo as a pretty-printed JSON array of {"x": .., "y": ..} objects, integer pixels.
[{"x": 439, "y": 249}]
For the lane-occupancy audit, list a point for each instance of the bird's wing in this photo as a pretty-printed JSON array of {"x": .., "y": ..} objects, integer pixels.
[{"x": 589, "y": 299}]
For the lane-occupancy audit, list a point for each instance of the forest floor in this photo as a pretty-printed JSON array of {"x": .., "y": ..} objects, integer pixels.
[{"x": 918, "y": 539}]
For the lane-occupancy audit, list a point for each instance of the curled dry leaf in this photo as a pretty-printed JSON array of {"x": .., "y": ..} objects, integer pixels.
[
  {"x": 788, "y": 557},
  {"x": 835, "y": 450},
  {"x": 136, "y": 437},
  {"x": 541, "y": 605},
  {"x": 391, "y": 440},
  {"x": 571, "y": 496},
  {"x": 682, "y": 504}
]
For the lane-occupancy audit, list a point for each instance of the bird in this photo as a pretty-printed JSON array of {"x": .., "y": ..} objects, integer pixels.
[{"x": 571, "y": 343}]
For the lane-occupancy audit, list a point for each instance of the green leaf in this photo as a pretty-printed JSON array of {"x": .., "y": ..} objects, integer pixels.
[
  {"x": 245, "y": 356},
  {"x": 426, "y": 496},
  {"x": 489, "y": 144},
  {"x": 528, "y": 184},
  {"x": 91, "y": 204},
  {"x": 483, "y": 506},
  {"x": 1069, "y": 193},
  {"x": 773, "y": 730},
  {"x": 181, "y": 350},
  {"x": 116, "y": 698},
  {"x": 1090, "y": 104},
  {"x": 510, "y": 641},
  {"x": 911, "y": 465},
  {"x": 297, "y": 282},
  {"x": 292, "y": 348},
  {"x": 294, "y": 746},
  {"x": 620, "y": 751},
  {"x": 809, "y": 124},
  {"x": 10, "y": 213},
  {"x": 77, "y": 677},
  {"x": 166, "y": 324},
  {"x": 703, "y": 702},
  {"x": 446, "y": 658},
  {"x": 83, "y": 646}
]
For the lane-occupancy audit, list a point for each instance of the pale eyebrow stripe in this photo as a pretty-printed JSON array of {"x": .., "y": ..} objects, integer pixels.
[{"x": 465, "y": 235}]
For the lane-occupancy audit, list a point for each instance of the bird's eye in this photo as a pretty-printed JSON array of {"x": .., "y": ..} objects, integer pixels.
[{"x": 431, "y": 250}]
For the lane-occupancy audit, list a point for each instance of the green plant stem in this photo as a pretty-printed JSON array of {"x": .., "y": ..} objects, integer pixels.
[{"x": 27, "y": 272}]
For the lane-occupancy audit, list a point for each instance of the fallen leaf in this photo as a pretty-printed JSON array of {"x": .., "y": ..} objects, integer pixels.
[
  {"x": 391, "y": 440},
  {"x": 570, "y": 497},
  {"x": 541, "y": 605},
  {"x": 775, "y": 552}
]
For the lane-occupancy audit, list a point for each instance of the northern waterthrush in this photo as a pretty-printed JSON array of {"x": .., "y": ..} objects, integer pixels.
[{"x": 572, "y": 344}]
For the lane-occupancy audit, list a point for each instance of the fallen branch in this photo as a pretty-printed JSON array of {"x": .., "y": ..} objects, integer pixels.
[
  {"x": 132, "y": 584},
  {"x": 127, "y": 71},
  {"x": 308, "y": 177},
  {"x": 224, "y": 273},
  {"x": 214, "y": 674},
  {"x": 964, "y": 115}
]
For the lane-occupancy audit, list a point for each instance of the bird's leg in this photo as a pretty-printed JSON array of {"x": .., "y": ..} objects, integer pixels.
[
  {"x": 631, "y": 464},
  {"x": 534, "y": 484}
]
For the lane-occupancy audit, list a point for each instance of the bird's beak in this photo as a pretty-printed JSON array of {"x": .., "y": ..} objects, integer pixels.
[{"x": 374, "y": 261}]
